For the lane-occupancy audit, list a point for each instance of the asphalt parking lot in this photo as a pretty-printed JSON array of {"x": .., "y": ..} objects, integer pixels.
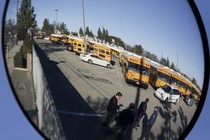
[{"x": 96, "y": 85}]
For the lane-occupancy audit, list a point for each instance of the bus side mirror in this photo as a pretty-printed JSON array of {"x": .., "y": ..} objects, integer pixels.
[{"x": 126, "y": 69}]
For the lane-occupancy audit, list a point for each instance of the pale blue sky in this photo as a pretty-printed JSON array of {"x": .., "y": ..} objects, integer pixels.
[
  {"x": 13, "y": 123},
  {"x": 165, "y": 28}
]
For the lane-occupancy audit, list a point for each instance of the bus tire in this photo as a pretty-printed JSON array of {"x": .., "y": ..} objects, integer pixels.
[
  {"x": 90, "y": 61},
  {"x": 146, "y": 87}
]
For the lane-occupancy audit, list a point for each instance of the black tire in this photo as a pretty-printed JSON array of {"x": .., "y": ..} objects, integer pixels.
[
  {"x": 90, "y": 61},
  {"x": 176, "y": 101},
  {"x": 166, "y": 100},
  {"x": 108, "y": 66}
]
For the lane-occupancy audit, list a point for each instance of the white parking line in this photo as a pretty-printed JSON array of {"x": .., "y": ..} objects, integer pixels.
[{"x": 80, "y": 114}]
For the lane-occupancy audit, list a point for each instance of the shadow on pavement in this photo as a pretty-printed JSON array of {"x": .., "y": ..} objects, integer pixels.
[{"x": 78, "y": 119}]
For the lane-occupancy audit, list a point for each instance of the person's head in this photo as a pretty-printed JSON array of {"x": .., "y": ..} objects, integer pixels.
[
  {"x": 118, "y": 95},
  {"x": 131, "y": 106},
  {"x": 147, "y": 100}
]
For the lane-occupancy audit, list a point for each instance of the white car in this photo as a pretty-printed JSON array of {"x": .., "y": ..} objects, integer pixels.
[
  {"x": 94, "y": 59},
  {"x": 168, "y": 93}
]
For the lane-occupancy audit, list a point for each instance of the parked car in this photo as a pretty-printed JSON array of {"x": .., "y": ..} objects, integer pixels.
[
  {"x": 189, "y": 100},
  {"x": 94, "y": 59},
  {"x": 168, "y": 93}
]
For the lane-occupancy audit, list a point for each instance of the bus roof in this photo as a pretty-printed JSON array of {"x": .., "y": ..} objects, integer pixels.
[
  {"x": 56, "y": 35},
  {"x": 130, "y": 54},
  {"x": 74, "y": 37},
  {"x": 110, "y": 46},
  {"x": 155, "y": 64}
]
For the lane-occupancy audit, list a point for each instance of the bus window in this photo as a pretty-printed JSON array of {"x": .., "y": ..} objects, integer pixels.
[
  {"x": 163, "y": 77},
  {"x": 101, "y": 51},
  {"x": 138, "y": 68},
  {"x": 174, "y": 81},
  {"x": 95, "y": 49},
  {"x": 101, "y": 55}
]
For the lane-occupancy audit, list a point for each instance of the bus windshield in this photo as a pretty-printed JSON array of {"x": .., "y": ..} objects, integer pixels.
[
  {"x": 182, "y": 85},
  {"x": 174, "y": 81},
  {"x": 163, "y": 77},
  {"x": 138, "y": 68}
]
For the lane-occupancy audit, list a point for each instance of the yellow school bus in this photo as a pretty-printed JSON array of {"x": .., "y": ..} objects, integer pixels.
[
  {"x": 196, "y": 92},
  {"x": 116, "y": 49},
  {"x": 159, "y": 75},
  {"x": 120, "y": 55},
  {"x": 188, "y": 87},
  {"x": 135, "y": 69},
  {"x": 182, "y": 85},
  {"x": 56, "y": 38},
  {"x": 175, "y": 79},
  {"x": 64, "y": 39},
  {"x": 79, "y": 47},
  {"x": 101, "y": 50},
  {"x": 71, "y": 38},
  {"x": 41, "y": 35}
]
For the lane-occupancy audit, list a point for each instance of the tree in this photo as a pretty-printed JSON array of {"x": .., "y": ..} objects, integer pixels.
[
  {"x": 151, "y": 56},
  {"x": 167, "y": 62},
  {"x": 81, "y": 31},
  {"x": 63, "y": 29},
  {"x": 91, "y": 34},
  {"x": 103, "y": 33},
  {"x": 163, "y": 61},
  {"x": 117, "y": 41},
  {"x": 195, "y": 82},
  {"x": 9, "y": 30},
  {"x": 47, "y": 27},
  {"x": 87, "y": 31},
  {"x": 99, "y": 33},
  {"x": 138, "y": 49},
  {"x": 46, "y": 24},
  {"x": 25, "y": 19},
  {"x": 173, "y": 66}
]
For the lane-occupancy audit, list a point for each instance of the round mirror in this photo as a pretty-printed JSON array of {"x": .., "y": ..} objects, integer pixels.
[{"x": 107, "y": 70}]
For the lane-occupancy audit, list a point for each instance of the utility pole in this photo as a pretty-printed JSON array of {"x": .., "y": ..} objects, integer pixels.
[
  {"x": 17, "y": 12},
  {"x": 177, "y": 56},
  {"x": 17, "y": 1},
  {"x": 56, "y": 10},
  {"x": 83, "y": 13}
]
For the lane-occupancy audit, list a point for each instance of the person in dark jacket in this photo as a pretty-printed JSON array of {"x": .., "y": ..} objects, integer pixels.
[
  {"x": 150, "y": 123},
  {"x": 141, "y": 112},
  {"x": 125, "y": 119},
  {"x": 112, "y": 108}
]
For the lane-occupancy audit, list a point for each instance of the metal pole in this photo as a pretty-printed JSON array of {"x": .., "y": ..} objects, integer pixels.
[
  {"x": 17, "y": 12},
  {"x": 56, "y": 18},
  {"x": 83, "y": 12}
]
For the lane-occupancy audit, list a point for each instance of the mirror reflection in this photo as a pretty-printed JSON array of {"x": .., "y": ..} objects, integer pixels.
[{"x": 106, "y": 69}]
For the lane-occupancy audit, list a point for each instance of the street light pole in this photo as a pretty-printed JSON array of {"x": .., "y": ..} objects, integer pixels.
[
  {"x": 83, "y": 13},
  {"x": 56, "y": 18}
]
